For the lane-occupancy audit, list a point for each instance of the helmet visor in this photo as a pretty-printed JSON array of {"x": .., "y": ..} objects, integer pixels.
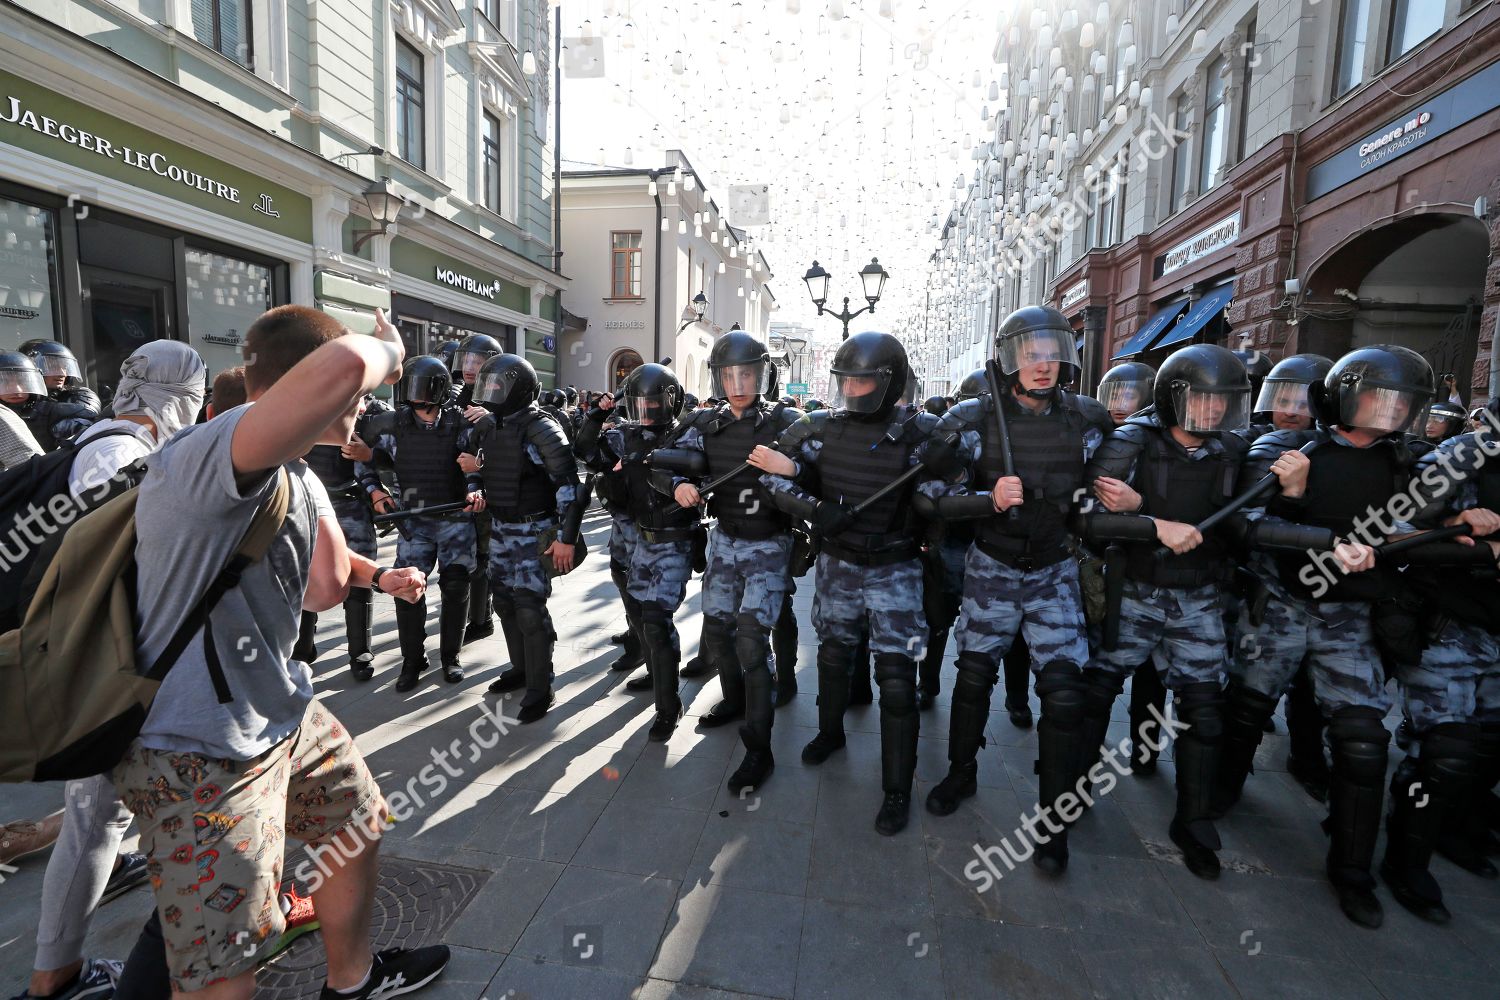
[
  {"x": 1283, "y": 397},
  {"x": 468, "y": 363},
  {"x": 1037, "y": 347},
  {"x": 424, "y": 389},
  {"x": 1211, "y": 412},
  {"x": 493, "y": 389},
  {"x": 860, "y": 393},
  {"x": 18, "y": 380},
  {"x": 649, "y": 411},
  {"x": 753, "y": 379},
  {"x": 1378, "y": 408},
  {"x": 1439, "y": 422},
  {"x": 1125, "y": 396},
  {"x": 58, "y": 364}
]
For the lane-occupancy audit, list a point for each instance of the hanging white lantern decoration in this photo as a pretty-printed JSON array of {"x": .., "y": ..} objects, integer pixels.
[
  {"x": 1200, "y": 40},
  {"x": 1086, "y": 35},
  {"x": 1174, "y": 24},
  {"x": 1121, "y": 115},
  {"x": 794, "y": 6},
  {"x": 1127, "y": 58},
  {"x": 1135, "y": 90},
  {"x": 1145, "y": 97}
]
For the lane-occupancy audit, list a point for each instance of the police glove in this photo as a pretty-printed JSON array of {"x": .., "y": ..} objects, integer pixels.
[{"x": 830, "y": 518}]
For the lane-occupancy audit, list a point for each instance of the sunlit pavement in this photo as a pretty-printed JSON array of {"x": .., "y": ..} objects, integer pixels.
[{"x": 573, "y": 859}]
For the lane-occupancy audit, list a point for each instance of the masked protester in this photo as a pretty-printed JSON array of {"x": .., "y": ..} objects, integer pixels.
[
  {"x": 1020, "y": 575},
  {"x": 746, "y": 587},
  {"x": 1330, "y": 603},
  {"x": 530, "y": 492},
  {"x": 1175, "y": 464},
  {"x": 657, "y": 567},
  {"x": 421, "y": 441}
]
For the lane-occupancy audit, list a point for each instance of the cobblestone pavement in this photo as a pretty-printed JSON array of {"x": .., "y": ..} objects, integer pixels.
[{"x": 572, "y": 859}]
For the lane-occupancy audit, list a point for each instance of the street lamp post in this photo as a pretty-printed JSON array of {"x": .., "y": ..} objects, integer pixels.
[
  {"x": 700, "y": 306},
  {"x": 872, "y": 276}
]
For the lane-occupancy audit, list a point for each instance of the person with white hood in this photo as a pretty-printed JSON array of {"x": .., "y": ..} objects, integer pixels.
[{"x": 160, "y": 392}]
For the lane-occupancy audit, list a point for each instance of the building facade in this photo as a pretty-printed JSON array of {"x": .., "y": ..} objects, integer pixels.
[
  {"x": 172, "y": 169},
  {"x": 1306, "y": 176},
  {"x": 640, "y": 245}
]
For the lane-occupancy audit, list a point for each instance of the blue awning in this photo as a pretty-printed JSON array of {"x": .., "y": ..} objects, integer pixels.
[
  {"x": 1202, "y": 313},
  {"x": 1079, "y": 345},
  {"x": 1153, "y": 328}
]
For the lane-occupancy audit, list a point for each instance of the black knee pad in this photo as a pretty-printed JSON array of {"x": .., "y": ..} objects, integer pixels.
[
  {"x": 656, "y": 624},
  {"x": 718, "y": 635},
  {"x": 503, "y": 598},
  {"x": 1060, "y": 687},
  {"x": 752, "y": 642},
  {"x": 837, "y": 657},
  {"x": 531, "y": 613},
  {"x": 1100, "y": 689},
  {"x": 453, "y": 577},
  {"x": 896, "y": 676},
  {"x": 1450, "y": 750},
  {"x": 1201, "y": 708},
  {"x": 976, "y": 668},
  {"x": 1247, "y": 706},
  {"x": 1360, "y": 743}
]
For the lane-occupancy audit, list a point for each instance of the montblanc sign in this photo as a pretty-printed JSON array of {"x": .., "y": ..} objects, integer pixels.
[{"x": 465, "y": 283}]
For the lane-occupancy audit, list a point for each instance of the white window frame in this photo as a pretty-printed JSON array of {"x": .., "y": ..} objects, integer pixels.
[{"x": 410, "y": 22}]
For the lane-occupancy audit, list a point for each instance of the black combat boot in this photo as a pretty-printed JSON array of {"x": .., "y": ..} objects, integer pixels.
[
  {"x": 513, "y": 678},
  {"x": 1360, "y": 741},
  {"x": 1245, "y": 713},
  {"x": 357, "y": 624},
  {"x": 717, "y": 647},
  {"x": 1060, "y": 746},
  {"x": 1201, "y": 707},
  {"x": 453, "y": 618},
  {"x": 752, "y": 653},
  {"x": 538, "y": 640},
  {"x": 974, "y": 681},
  {"x": 1423, "y": 793},
  {"x": 834, "y": 662},
  {"x": 411, "y": 628}
]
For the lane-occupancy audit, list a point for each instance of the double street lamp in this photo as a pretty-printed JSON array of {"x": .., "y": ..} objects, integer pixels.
[{"x": 872, "y": 276}]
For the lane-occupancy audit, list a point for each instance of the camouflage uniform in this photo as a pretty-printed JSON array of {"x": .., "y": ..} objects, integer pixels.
[
  {"x": 1019, "y": 577},
  {"x": 428, "y": 476}
]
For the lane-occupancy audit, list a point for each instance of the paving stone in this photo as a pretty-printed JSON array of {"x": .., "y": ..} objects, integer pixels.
[
  {"x": 1121, "y": 965},
  {"x": 1275, "y": 977},
  {"x": 857, "y": 950},
  {"x": 494, "y": 919},
  {"x": 732, "y": 938},
  {"x": 541, "y": 825},
  {"x": 745, "y": 851},
  {"x": 621, "y": 917},
  {"x": 985, "y": 959}
]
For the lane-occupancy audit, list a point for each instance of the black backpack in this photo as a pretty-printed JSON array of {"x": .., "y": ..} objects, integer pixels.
[{"x": 36, "y": 510}]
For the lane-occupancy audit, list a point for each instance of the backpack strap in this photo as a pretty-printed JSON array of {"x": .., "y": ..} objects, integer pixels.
[{"x": 258, "y": 537}]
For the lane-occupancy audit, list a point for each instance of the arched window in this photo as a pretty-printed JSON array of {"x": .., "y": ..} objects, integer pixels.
[{"x": 623, "y": 364}]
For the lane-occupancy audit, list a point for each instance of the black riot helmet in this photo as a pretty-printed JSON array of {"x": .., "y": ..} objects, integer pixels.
[
  {"x": 1443, "y": 420},
  {"x": 571, "y": 394},
  {"x": 506, "y": 384},
  {"x": 1032, "y": 335},
  {"x": 472, "y": 354},
  {"x": 689, "y": 401},
  {"x": 1204, "y": 389},
  {"x": 424, "y": 382},
  {"x": 741, "y": 364},
  {"x": 446, "y": 350},
  {"x": 813, "y": 405},
  {"x": 869, "y": 374},
  {"x": 974, "y": 385},
  {"x": 1284, "y": 387},
  {"x": 936, "y": 405},
  {"x": 19, "y": 374},
  {"x": 1126, "y": 388},
  {"x": 1257, "y": 366},
  {"x": 54, "y": 359},
  {"x": 1381, "y": 388},
  {"x": 651, "y": 396}
]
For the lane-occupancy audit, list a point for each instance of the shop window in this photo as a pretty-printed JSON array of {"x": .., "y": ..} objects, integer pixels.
[
  {"x": 1215, "y": 127},
  {"x": 1182, "y": 114},
  {"x": 1349, "y": 62},
  {"x": 28, "y": 268},
  {"x": 224, "y": 26},
  {"x": 1412, "y": 22},
  {"x": 411, "y": 138},
  {"x": 224, "y": 296},
  {"x": 625, "y": 260},
  {"x": 625, "y": 363},
  {"x": 493, "y": 164}
]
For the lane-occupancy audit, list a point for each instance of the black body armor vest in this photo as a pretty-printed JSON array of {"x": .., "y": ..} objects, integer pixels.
[
  {"x": 650, "y": 510},
  {"x": 1176, "y": 488},
  {"x": 1343, "y": 484},
  {"x": 515, "y": 487},
  {"x": 742, "y": 504},
  {"x": 1047, "y": 450},
  {"x": 333, "y": 470},
  {"x": 426, "y": 459},
  {"x": 856, "y": 460}
]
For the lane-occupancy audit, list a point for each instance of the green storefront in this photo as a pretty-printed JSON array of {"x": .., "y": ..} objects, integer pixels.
[{"x": 111, "y": 235}]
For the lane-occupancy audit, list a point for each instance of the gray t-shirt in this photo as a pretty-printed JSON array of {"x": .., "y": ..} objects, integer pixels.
[{"x": 190, "y": 518}]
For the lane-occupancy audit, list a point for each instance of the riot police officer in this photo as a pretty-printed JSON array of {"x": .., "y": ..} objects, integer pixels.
[
  {"x": 1257, "y": 367},
  {"x": 1318, "y": 604},
  {"x": 841, "y": 461},
  {"x": 1174, "y": 464},
  {"x": 24, "y": 390},
  {"x": 468, "y": 358},
  {"x": 1018, "y": 469},
  {"x": 1442, "y": 421},
  {"x": 745, "y": 584},
  {"x": 530, "y": 491},
  {"x": 421, "y": 440},
  {"x": 335, "y": 468},
  {"x": 936, "y": 405},
  {"x": 660, "y": 562},
  {"x": 62, "y": 374},
  {"x": 1126, "y": 389}
]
